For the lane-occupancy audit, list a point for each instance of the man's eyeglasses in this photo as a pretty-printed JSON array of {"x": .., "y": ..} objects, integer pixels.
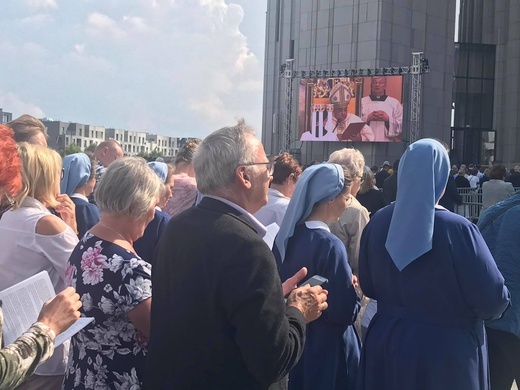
[{"x": 269, "y": 165}]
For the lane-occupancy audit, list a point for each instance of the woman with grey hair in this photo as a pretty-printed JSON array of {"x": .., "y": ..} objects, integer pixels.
[{"x": 114, "y": 282}]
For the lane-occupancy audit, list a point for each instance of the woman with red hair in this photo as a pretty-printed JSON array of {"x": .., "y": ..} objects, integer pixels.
[
  {"x": 34, "y": 240},
  {"x": 20, "y": 359},
  {"x": 10, "y": 167}
]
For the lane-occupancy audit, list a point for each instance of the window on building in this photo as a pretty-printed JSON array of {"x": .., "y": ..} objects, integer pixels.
[{"x": 473, "y": 137}]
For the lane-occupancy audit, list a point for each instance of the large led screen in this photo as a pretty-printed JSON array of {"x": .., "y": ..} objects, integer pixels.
[{"x": 363, "y": 109}]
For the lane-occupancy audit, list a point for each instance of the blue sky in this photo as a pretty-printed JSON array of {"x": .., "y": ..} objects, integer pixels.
[{"x": 173, "y": 67}]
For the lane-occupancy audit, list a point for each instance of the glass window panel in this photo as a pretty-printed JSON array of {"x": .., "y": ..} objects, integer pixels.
[
  {"x": 459, "y": 93},
  {"x": 475, "y": 62},
  {"x": 487, "y": 155},
  {"x": 487, "y": 103},
  {"x": 461, "y": 60},
  {"x": 456, "y": 154},
  {"x": 489, "y": 62},
  {"x": 473, "y": 104}
]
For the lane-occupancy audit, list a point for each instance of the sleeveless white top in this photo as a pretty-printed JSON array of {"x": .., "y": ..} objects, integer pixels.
[{"x": 23, "y": 253}]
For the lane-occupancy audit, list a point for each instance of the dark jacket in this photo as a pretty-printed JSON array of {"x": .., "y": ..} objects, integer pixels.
[
  {"x": 145, "y": 246},
  {"x": 381, "y": 177},
  {"x": 462, "y": 182},
  {"x": 514, "y": 179},
  {"x": 373, "y": 200},
  {"x": 390, "y": 188},
  {"x": 87, "y": 215},
  {"x": 451, "y": 195},
  {"x": 219, "y": 320}
]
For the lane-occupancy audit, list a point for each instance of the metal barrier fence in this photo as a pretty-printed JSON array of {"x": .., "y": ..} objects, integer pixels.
[{"x": 471, "y": 203}]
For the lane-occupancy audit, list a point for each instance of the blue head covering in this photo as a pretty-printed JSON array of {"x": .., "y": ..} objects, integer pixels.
[
  {"x": 317, "y": 184},
  {"x": 160, "y": 169},
  {"x": 421, "y": 180},
  {"x": 76, "y": 172}
]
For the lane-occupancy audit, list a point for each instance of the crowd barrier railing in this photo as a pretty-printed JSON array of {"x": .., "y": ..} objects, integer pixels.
[{"x": 471, "y": 203}]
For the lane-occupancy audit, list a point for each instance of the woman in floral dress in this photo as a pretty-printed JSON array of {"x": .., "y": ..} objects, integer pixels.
[{"x": 114, "y": 283}]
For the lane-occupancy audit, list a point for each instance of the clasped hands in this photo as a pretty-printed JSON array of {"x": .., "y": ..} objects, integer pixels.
[{"x": 379, "y": 115}]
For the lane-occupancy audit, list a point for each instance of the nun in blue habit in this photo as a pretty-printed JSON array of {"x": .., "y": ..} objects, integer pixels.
[
  {"x": 435, "y": 282},
  {"x": 78, "y": 182},
  {"x": 145, "y": 246},
  {"x": 332, "y": 348}
]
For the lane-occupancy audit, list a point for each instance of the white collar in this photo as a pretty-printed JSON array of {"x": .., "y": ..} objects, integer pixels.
[
  {"x": 79, "y": 196},
  {"x": 317, "y": 225},
  {"x": 277, "y": 194},
  {"x": 257, "y": 225}
]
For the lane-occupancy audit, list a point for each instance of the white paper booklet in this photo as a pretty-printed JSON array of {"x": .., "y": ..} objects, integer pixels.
[
  {"x": 21, "y": 305},
  {"x": 270, "y": 235}
]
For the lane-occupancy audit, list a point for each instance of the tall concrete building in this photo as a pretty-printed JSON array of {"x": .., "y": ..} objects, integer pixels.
[
  {"x": 487, "y": 82},
  {"x": 364, "y": 34}
]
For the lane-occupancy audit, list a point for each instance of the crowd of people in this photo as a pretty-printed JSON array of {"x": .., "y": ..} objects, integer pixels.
[{"x": 411, "y": 295}]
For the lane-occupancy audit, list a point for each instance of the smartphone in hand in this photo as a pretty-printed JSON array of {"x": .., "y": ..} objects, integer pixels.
[{"x": 316, "y": 280}]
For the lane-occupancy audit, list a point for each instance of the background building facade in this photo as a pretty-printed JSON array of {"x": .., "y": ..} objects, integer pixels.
[
  {"x": 64, "y": 134},
  {"x": 5, "y": 116}
]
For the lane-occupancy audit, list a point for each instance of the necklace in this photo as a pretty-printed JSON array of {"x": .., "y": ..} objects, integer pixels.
[{"x": 112, "y": 230}]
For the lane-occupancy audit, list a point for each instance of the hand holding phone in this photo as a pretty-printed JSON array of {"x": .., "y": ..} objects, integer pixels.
[{"x": 316, "y": 280}]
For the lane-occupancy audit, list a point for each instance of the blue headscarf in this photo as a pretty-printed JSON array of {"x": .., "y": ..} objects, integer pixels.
[
  {"x": 317, "y": 184},
  {"x": 421, "y": 180},
  {"x": 76, "y": 172},
  {"x": 160, "y": 169}
]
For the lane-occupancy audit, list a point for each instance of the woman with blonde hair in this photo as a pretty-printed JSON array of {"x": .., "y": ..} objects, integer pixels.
[{"x": 34, "y": 240}]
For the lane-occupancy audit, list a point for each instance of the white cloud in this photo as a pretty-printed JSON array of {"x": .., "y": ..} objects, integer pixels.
[
  {"x": 37, "y": 4},
  {"x": 33, "y": 51},
  {"x": 137, "y": 24},
  {"x": 13, "y": 103},
  {"x": 102, "y": 26},
  {"x": 181, "y": 68},
  {"x": 38, "y": 20}
]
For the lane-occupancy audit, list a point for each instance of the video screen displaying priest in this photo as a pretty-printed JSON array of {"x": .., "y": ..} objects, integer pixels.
[
  {"x": 332, "y": 110},
  {"x": 381, "y": 107}
]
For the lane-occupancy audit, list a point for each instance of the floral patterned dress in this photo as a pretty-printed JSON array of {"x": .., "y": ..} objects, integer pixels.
[{"x": 109, "y": 353}]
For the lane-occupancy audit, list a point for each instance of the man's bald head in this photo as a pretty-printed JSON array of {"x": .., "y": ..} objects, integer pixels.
[{"x": 108, "y": 151}]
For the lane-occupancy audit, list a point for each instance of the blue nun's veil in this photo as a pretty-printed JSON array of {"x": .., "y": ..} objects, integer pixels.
[
  {"x": 318, "y": 184},
  {"x": 421, "y": 179},
  {"x": 76, "y": 172}
]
